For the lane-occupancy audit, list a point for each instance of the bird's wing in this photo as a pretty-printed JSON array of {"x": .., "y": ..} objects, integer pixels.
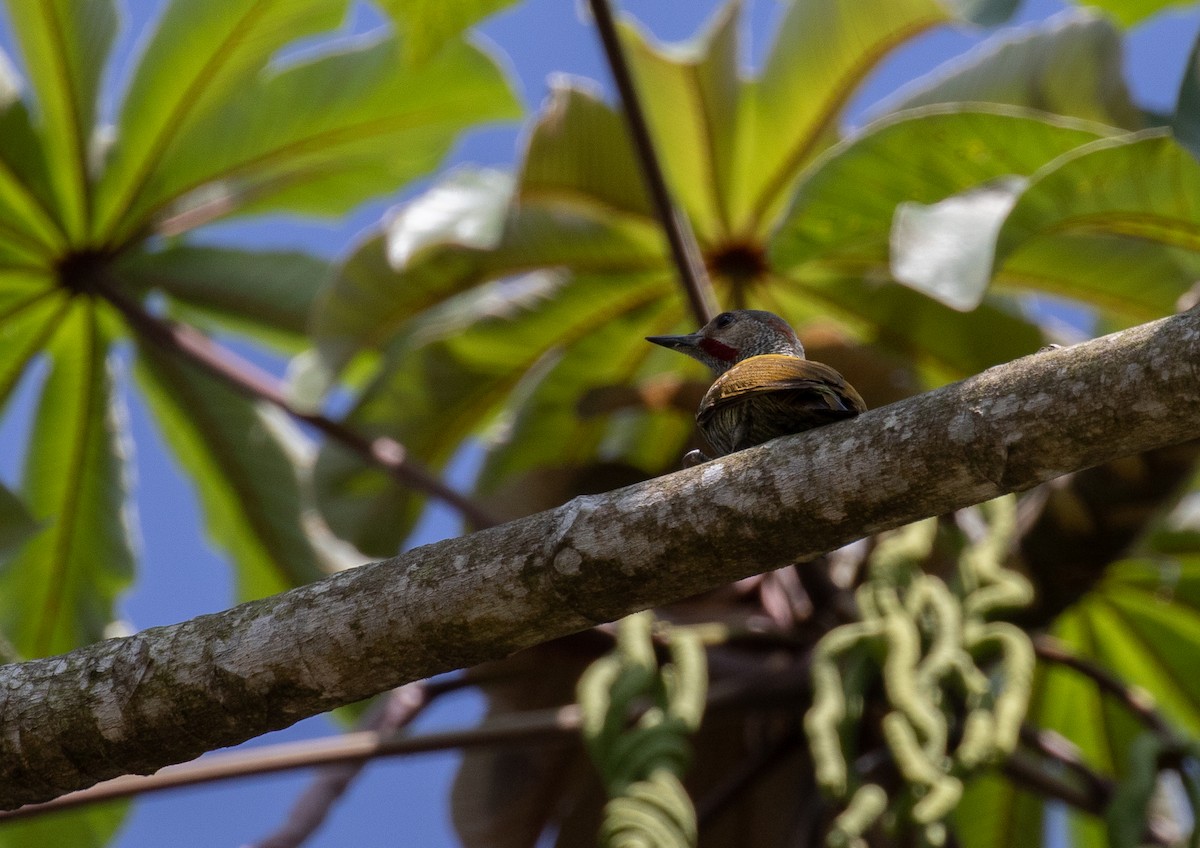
[{"x": 777, "y": 373}]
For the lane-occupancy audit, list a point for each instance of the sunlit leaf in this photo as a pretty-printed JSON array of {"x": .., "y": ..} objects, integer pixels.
[
  {"x": 25, "y": 327},
  {"x": 1129, "y": 280},
  {"x": 1140, "y": 188},
  {"x": 200, "y": 55},
  {"x": 690, "y": 93},
  {"x": 461, "y": 233},
  {"x": 59, "y": 591},
  {"x": 1130, "y": 12},
  {"x": 27, "y": 201},
  {"x": 994, "y": 813},
  {"x": 66, "y": 43},
  {"x": 580, "y": 151},
  {"x": 548, "y": 428},
  {"x": 426, "y": 25},
  {"x": 922, "y": 156},
  {"x": 917, "y": 164},
  {"x": 820, "y": 54},
  {"x": 264, "y": 294},
  {"x": 1129, "y": 191},
  {"x": 234, "y": 453},
  {"x": 1067, "y": 65},
  {"x": 939, "y": 248},
  {"x": 430, "y": 249},
  {"x": 949, "y": 345},
  {"x": 321, "y": 136},
  {"x": 93, "y": 826}
]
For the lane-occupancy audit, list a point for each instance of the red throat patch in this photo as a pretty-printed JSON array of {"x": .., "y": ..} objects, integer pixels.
[{"x": 717, "y": 350}]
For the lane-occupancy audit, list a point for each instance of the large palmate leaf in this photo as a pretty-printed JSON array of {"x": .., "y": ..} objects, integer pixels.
[
  {"x": 213, "y": 123},
  {"x": 579, "y": 207},
  {"x": 59, "y": 591}
]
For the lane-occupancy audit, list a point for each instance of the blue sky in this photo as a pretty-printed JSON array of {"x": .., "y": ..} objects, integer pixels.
[{"x": 404, "y": 801}]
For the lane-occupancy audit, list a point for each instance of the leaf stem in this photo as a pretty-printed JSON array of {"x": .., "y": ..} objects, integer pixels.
[
  {"x": 685, "y": 252},
  {"x": 254, "y": 382}
]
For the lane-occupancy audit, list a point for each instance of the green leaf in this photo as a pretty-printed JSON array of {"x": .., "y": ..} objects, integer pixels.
[
  {"x": 236, "y": 454},
  {"x": 59, "y": 591},
  {"x": 450, "y": 376},
  {"x": 16, "y": 524},
  {"x": 1069, "y": 65},
  {"x": 268, "y": 295},
  {"x": 950, "y": 345},
  {"x": 690, "y": 95},
  {"x": 462, "y": 232},
  {"x": 913, "y": 161},
  {"x": 430, "y": 249},
  {"x": 580, "y": 151},
  {"x": 321, "y": 136},
  {"x": 426, "y": 25},
  {"x": 994, "y": 814},
  {"x": 27, "y": 218},
  {"x": 1130, "y": 281},
  {"x": 1142, "y": 625},
  {"x": 200, "y": 56},
  {"x": 1137, "y": 188},
  {"x": 93, "y": 826},
  {"x": 822, "y": 51},
  {"x": 1131, "y": 12},
  {"x": 1128, "y": 198},
  {"x": 1185, "y": 123},
  {"x": 548, "y": 428},
  {"x": 66, "y": 43},
  {"x": 26, "y": 325}
]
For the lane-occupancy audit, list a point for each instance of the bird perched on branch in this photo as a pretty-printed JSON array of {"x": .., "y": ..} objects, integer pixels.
[{"x": 764, "y": 387}]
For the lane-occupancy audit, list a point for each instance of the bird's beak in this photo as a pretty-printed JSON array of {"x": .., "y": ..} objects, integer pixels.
[{"x": 685, "y": 343}]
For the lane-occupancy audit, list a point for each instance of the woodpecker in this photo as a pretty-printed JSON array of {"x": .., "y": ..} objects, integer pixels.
[{"x": 764, "y": 387}]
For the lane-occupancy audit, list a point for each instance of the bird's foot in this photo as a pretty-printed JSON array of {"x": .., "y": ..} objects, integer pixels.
[{"x": 693, "y": 458}]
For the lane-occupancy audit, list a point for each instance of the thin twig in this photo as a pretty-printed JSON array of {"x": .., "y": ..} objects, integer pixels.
[
  {"x": 360, "y": 746},
  {"x": 684, "y": 251},
  {"x": 532, "y": 725},
  {"x": 1135, "y": 699},
  {"x": 250, "y": 380}
]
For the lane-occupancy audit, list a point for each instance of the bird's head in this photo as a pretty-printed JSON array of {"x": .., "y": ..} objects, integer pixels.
[{"x": 733, "y": 336}]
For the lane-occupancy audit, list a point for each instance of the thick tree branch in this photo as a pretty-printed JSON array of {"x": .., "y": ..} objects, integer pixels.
[{"x": 165, "y": 695}]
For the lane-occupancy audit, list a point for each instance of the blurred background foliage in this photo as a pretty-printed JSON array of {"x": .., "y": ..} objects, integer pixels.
[{"x": 1017, "y": 196}]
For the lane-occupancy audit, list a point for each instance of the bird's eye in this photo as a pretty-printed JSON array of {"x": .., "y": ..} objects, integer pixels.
[{"x": 723, "y": 320}]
